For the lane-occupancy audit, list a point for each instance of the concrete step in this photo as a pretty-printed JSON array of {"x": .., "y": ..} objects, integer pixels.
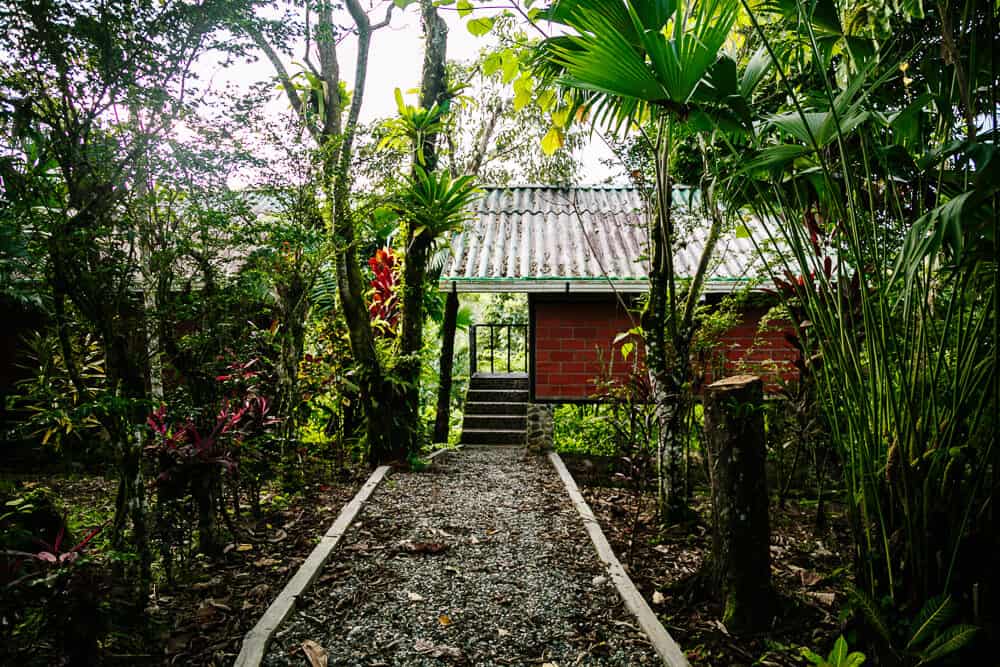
[
  {"x": 475, "y": 422},
  {"x": 499, "y": 408},
  {"x": 497, "y": 396},
  {"x": 492, "y": 437},
  {"x": 499, "y": 381}
]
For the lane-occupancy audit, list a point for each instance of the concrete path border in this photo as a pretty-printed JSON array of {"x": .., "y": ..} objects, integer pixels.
[
  {"x": 257, "y": 639},
  {"x": 665, "y": 646}
]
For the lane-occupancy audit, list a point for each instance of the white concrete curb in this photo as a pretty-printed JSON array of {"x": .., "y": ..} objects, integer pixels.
[
  {"x": 665, "y": 646},
  {"x": 256, "y": 641}
]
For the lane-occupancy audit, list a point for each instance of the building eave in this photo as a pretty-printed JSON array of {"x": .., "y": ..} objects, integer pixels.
[{"x": 572, "y": 285}]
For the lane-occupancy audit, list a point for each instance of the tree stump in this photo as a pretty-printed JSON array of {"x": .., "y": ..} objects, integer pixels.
[{"x": 741, "y": 557}]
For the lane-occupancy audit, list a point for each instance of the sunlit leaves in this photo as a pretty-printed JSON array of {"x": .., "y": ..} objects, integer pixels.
[
  {"x": 480, "y": 26},
  {"x": 552, "y": 141}
]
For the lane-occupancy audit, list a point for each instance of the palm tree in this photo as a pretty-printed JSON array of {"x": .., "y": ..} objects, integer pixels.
[{"x": 647, "y": 63}]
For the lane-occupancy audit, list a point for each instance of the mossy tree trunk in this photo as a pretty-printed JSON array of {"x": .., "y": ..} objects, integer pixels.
[
  {"x": 741, "y": 558},
  {"x": 433, "y": 91}
]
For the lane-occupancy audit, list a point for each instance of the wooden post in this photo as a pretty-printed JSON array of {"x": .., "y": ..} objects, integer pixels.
[{"x": 741, "y": 557}]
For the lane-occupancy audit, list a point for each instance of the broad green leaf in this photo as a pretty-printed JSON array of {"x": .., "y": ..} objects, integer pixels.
[
  {"x": 778, "y": 156},
  {"x": 855, "y": 659},
  {"x": 491, "y": 64},
  {"x": 480, "y": 26},
  {"x": 560, "y": 118},
  {"x": 464, "y": 8},
  {"x": 510, "y": 65},
  {"x": 552, "y": 141},
  {"x": 523, "y": 86},
  {"x": 839, "y": 652},
  {"x": 545, "y": 100},
  {"x": 760, "y": 63}
]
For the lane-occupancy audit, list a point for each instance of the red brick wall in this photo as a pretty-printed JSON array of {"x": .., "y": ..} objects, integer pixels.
[
  {"x": 746, "y": 349},
  {"x": 573, "y": 347}
]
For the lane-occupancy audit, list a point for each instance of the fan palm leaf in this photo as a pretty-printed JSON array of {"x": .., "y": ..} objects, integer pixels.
[{"x": 628, "y": 55}]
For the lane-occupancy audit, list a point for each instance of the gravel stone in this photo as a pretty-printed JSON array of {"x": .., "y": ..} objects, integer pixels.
[{"x": 480, "y": 560}]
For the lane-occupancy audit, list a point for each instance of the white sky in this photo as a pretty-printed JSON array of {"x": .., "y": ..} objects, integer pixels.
[{"x": 395, "y": 61}]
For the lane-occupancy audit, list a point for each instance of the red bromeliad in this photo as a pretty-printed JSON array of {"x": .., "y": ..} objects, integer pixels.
[{"x": 384, "y": 307}]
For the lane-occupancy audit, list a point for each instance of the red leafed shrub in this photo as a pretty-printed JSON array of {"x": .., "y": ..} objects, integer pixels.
[{"x": 384, "y": 306}]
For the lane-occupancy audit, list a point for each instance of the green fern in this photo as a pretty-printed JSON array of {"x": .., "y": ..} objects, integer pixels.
[
  {"x": 870, "y": 611},
  {"x": 932, "y": 617},
  {"x": 324, "y": 291},
  {"x": 947, "y": 642}
]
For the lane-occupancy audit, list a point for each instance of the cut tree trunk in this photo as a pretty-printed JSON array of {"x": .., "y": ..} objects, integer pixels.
[{"x": 741, "y": 559}]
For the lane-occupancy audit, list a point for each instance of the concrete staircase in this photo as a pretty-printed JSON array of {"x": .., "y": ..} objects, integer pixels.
[{"x": 496, "y": 409}]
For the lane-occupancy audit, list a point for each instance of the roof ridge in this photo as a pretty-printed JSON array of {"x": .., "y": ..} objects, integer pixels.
[{"x": 567, "y": 186}]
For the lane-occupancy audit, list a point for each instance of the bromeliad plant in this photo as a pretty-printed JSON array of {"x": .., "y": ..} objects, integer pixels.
[{"x": 384, "y": 301}]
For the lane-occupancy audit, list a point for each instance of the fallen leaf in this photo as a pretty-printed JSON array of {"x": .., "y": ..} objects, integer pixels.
[
  {"x": 444, "y": 620},
  {"x": 177, "y": 643},
  {"x": 424, "y": 547},
  {"x": 220, "y": 605},
  {"x": 436, "y": 650},
  {"x": 266, "y": 562},
  {"x": 245, "y": 547},
  {"x": 205, "y": 585},
  {"x": 599, "y": 580},
  {"x": 280, "y": 535},
  {"x": 721, "y": 627},
  {"x": 414, "y": 597},
  {"x": 503, "y": 633},
  {"x": 823, "y": 598},
  {"x": 259, "y": 591},
  {"x": 550, "y": 664},
  {"x": 658, "y": 597},
  {"x": 316, "y": 654},
  {"x": 206, "y": 612},
  {"x": 809, "y": 578}
]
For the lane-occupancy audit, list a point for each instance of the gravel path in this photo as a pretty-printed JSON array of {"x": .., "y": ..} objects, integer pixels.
[{"x": 481, "y": 560}]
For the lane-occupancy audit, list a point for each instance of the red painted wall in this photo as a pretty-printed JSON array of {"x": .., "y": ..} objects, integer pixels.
[{"x": 573, "y": 345}]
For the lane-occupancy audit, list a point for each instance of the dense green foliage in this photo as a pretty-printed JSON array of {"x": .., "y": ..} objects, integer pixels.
[{"x": 205, "y": 343}]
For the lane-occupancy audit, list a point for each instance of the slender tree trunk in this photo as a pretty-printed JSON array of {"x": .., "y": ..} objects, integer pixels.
[
  {"x": 443, "y": 421},
  {"x": 433, "y": 91},
  {"x": 204, "y": 495},
  {"x": 408, "y": 431},
  {"x": 659, "y": 320}
]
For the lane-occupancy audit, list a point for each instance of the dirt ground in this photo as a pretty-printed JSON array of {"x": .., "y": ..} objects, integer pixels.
[
  {"x": 808, "y": 572},
  {"x": 202, "y": 617}
]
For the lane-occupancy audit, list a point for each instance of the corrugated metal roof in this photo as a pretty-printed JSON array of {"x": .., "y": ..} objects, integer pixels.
[{"x": 592, "y": 238}]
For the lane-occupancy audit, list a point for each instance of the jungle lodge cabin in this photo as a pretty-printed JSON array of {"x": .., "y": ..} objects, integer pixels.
[{"x": 579, "y": 253}]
